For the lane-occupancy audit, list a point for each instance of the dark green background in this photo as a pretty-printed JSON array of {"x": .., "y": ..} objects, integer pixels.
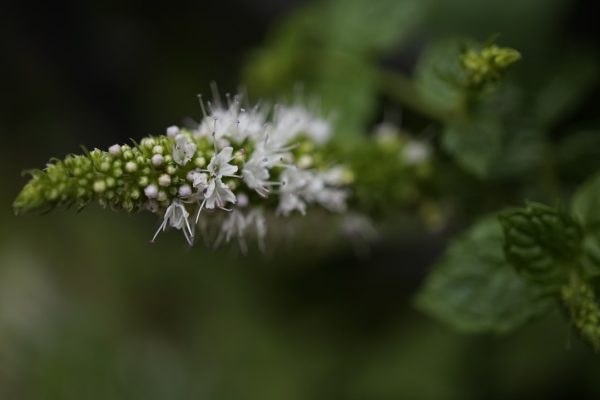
[{"x": 90, "y": 310}]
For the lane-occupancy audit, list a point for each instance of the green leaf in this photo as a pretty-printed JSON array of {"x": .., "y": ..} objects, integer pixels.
[
  {"x": 438, "y": 75},
  {"x": 333, "y": 48},
  {"x": 541, "y": 242},
  {"x": 586, "y": 207},
  {"x": 475, "y": 143},
  {"x": 373, "y": 26},
  {"x": 474, "y": 289}
]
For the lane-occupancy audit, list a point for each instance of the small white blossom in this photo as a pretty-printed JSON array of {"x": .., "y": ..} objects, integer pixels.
[
  {"x": 199, "y": 181},
  {"x": 415, "y": 152},
  {"x": 114, "y": 150},
  {"x": 158, "y": 149},
  {"x": 256, "y": 175},
  {"x": 238, "y": 225},
  {"x": 293, "y": 181},
  {"x": 218, "y": 194},
  {"x": 242, "y": 200},
  {"x": 234, "y": 225},
  {"x": 386, "y": 132},
  {"x": 172, "y": 131},
  {"x": 183, "y": 150},
  {"x": 251, "y": 123},
  {"x": 185, "y": 190},
  {"x": 176, "y": 216},
  {"x": 319, "y": 130},
  {"x": 318, "y": 191},
  {"x": 164, "y": 180},
  {"x": 151, "y": 191},
  {"x": 157, "y": 160},
  {"x": 290, "y": 122},
  {"x": 219, "y": 165},
  {"x": 130, "y": 166}
]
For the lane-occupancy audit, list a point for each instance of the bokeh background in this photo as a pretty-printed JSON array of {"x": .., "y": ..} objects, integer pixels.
[{"x": 90, "y": 310}]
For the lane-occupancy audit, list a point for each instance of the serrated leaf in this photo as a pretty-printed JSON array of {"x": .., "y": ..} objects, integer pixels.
[
  {"x": 474, "y": 289},
  {"x": 475, "y": 143},
  {"x": 586, "y": 206},
  {"x": 541, "y": 242}
]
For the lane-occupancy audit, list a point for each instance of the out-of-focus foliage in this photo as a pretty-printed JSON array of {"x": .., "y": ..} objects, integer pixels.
[
  {"x": 88, "y": 310},
  {"x": 332, "y": 47}
]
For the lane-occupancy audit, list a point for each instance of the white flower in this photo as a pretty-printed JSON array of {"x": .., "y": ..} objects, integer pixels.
[
  {"x": 386, "y": 132},
  {"x": 289, "y": 122},
  {"x": 183, "y": 150},
  {"x": 260, "y": 224},
  {"x": 317, "y": 190},
  {"x": 172, "y": 131},
  {"x": 319, "y": 130},
  {"x": 185, "y": 190},
  {"x": 215, "y": 194},
  {"x": 289, "y": 202},
  {"x": 415, "y": 152},
  {"x": 251, "y": 123},
  {"x": 219, "y": 165},
  {"x": 151, "y": 191},
  {"x": 293, "y": 181},
  {"x": 164, "y": 180},
  {"x": 157, "y": 160},
  {"x": 176, "y": 216},
  {"x": 234, "y": 122},
  {"x": 199, "y": 180},
  {"x": 239, "y": 225},
  {"x": 332, "y": 199},
  {"x": 256, "y": 175},
  {"x": 334, "y": 176},
  {"x": 242, "y": 200},
  {"x": 234, "y": 225},
  {"x": 115, "y": 149},
  {"x": 218, "y": 194}
]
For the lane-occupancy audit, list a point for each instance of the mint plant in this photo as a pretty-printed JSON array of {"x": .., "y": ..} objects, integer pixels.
[{"x": 244, "y": 169}]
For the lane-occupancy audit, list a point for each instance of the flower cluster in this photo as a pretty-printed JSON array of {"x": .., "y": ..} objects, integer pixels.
[
  {"x": 487, "y": 65},
  {"x": 236, "y": 161}
]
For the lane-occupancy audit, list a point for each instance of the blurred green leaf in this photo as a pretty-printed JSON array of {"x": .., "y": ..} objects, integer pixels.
[
  {"x": 543, "y": 243},
  {"x": 522, "y": 150},
  {"x": 586, "y": 206},
  {"x": 438, "y": 74},
  {"x": 474, "y": 289},
  {"x": 332, "y": 48},
  {"x": 475, "y": 143}
]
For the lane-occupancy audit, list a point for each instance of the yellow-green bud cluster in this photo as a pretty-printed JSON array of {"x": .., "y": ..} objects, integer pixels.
[
  {"x": 580, "y": 301},
  {"x": 116, "y": 178},
  {"x": 488, "y": 64}
]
